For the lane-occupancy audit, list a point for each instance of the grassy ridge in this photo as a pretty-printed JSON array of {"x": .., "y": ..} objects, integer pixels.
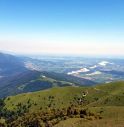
[
  {"x": 106, "y": 100},
  {"x": 109, "y": 95},
  {"x": 62, "y": 97}
]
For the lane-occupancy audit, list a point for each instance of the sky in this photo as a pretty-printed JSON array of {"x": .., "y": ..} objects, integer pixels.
[{"x": 85, "y": 27}]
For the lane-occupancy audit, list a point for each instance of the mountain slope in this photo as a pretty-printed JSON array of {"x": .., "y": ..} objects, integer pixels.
[
  {"x": 65, "y": 95},
  {"x": 10, "y": 65},
  {"x": 30, "y": 81},
  {"x": 69, "y": 78},
  {"x": 114, "y": 94},
  {"x": 27, "y": 81},
  {"x": 49, "y": 107},
  {"x": 15, "y": 78}
]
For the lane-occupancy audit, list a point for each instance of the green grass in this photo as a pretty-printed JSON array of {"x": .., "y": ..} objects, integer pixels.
[
  {"x": 113, "y": 116},
  {"x": 62, "y": 97},
  {"x": 75, "y": 122},
  {"x": 104, "y": 95},
  {"x": 106, "y": 100}
]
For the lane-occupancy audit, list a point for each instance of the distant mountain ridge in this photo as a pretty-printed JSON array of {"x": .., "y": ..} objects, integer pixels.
[
  {"x": 16, "y": 78},
  {"x": 30, "y": 81},
  {"x": 10, "y": 65}
]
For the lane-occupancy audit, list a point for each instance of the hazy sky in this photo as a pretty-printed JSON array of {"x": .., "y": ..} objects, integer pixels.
[{"x": 62, "y": 26}]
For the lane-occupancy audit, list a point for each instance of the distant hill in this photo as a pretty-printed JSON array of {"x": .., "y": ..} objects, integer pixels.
[
  {"x": 15, "y": 78},
  {"x": 10, "y": 65},
  {"x": 69, "y": 78},
  {"x": 30, "y": 81}
]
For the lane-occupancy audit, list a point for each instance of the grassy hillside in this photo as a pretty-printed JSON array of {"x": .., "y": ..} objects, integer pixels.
[
  {"x": 109, "y": 95},
  {"x": 61, "y": 97},
  {"x": 113, "y": 94},
  {"x": 105, "y": 100},
  {"x": 112, "y": 116}
]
